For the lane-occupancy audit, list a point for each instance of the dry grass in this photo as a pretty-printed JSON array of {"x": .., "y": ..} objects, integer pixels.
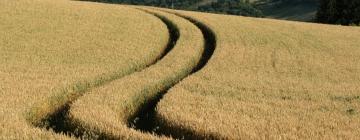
[
  {"x": 267, "y": 79},
  {"x": 47, "y": 46},
  {"x": 107, "y": 110},
  {"x": 271, "y": 79}
]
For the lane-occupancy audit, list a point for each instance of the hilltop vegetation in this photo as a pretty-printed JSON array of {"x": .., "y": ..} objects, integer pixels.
[
  {"x": 178, "y": 4},
  {"x": 85, "y": 70},
  {"x": 297, "y": 10},
  {"x": 233, "y": 7},
  {"x": 323, "y": 11}
]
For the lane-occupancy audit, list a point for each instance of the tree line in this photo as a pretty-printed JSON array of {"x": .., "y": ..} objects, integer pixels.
[
  {"x": 345, "y": 12},
  {"x": 234, "y": 7},
  {"x": 177, "y": 4}
]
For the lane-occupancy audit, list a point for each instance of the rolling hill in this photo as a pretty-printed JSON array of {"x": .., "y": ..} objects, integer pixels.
[{"x": 86, "y": 70}]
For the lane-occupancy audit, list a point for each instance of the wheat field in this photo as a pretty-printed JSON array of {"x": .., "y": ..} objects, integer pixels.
[
  {"x": 49, "y": 48},
  {"x": 85, "y": 70},
  {"x": 108, "y": 109},
  {"x": 270, "y": 79}
]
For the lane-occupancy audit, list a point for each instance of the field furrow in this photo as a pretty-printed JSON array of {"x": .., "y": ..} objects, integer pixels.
[{"x": 108, "y": 112}]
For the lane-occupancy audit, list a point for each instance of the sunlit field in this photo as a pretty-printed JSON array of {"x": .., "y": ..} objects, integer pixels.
[
  {"x": 86, "y": 70},
  {"x": 50, "y": 48},
  {"x": 271, "y": 79}
]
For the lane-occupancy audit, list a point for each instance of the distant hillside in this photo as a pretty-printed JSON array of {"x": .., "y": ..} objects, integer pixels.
[
  {"x": 233, "y": 7},
  {"x": 298, "y": 10},
  {"x": 201, "y": 3}
]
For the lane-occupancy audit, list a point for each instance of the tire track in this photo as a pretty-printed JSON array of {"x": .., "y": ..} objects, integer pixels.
[
  {"x": 147, "y": 120},
  {"x": 149, "y": 84},
  {"x": 59, "y": 122}
]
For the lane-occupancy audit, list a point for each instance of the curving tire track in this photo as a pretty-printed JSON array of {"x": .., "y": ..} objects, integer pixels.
[
  {"x": 58, "y": 121},
  {"x": 180, "y": 132},
  {"x": 139, "y": 90},
  {"x": 151, "y": 122},
  {"x": 145, "y": 118}
]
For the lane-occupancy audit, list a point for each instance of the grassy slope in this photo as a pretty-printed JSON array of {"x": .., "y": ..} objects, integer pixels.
[
  {"x": 271, "y": 79},
  {"x": 47, "y": 45},
  {"x": 267, "y": 78}
]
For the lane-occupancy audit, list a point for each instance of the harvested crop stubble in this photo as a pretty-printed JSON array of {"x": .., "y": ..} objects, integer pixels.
[
  {"x": 105, "y": 111},
  {"x": 270, "y": 79},
  {"x": 48, "y": 45}
]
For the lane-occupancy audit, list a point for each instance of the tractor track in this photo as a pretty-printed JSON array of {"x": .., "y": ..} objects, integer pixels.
[
  {"x": 146, "y": 119},
  {"x": 59, "y": 121}
]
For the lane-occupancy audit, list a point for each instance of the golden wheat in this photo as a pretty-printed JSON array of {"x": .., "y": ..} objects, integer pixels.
[
  {"x": 270, "y": 79},
  {"x": 267, "y": 79},
  {"x": 107, "y": 110},
  {"x": 47, "y": 46}
]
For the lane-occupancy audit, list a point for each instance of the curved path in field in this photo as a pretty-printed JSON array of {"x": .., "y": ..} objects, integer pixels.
[
  {"x": 56, "y": 118},
  {"x": 148, "y": 120},
  {"x": 160, "y": 126},
  {"x": 109, "y": 112},
  {"x": 123, "y": 108}
]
